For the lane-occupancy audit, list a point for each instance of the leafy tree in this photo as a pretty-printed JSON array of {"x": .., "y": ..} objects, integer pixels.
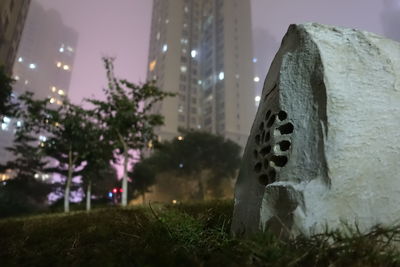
[
  {"x": 125, "y": 115},
  {"x": 24, "y": 193},
  {"x": 98, "y": 156},
  {"x": 197, "y": 153},
  {"x": 143, "y": 176},
  {"x": 7, "y": 108}
]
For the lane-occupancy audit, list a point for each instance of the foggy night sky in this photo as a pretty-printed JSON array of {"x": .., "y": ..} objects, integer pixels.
[{"x": 121, "y": 28}]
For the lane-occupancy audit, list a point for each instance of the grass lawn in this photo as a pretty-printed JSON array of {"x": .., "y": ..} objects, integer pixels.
[{"x": 177, "y": 235}]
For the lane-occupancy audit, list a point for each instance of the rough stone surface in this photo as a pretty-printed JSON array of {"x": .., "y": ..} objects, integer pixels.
[{"x": 324, "y": 148}]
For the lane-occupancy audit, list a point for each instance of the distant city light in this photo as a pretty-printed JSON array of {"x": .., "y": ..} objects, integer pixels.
[
  {"x": 193, "y": 53},
  {"x": 70, "y": 49},
  {"x": 115, "y": 190},
  {"x": 174, "y": 201},
  {"x": 20, "y": 59},
  {"x": 59, "y": 64},
  {"x": 254, "y": 59},
  {"x": 4, "y": 126},
  {"x": 61, "y": 49},
  {"x": 32, "y": 66},
  {"x": 180, "y": 138},
  {"x": 256, "y": 79},
  {"x": 110, "y": 194},
  {"x": 257, "y": 98},
  {"x": 165, "y": 48},
  {"x": 36, "y": 175},
  {"x": 42, "y": 138},
  {"x": 52, "y": 100},
  {"x": 183, "y": 68},
  {"x": 66, "y": 67},
  {"x": 121, "y": 190},
  {"x": 16, "y": 77},
  {"x": 61, "y": 92},
  {"x": 180, "y": 165},
  {"x": 199, "y": 82},
  {"x": 59, "y": 102},
  {"x": 221, "y": 75},
  {"x": 166, "y": 21},
  {"x": 152, "y": 65},
  {"x": 158, "y": 36},
  {"x": 26, "y": 82},
  {"x": 19, "y": 123},
  {"x": 53, "y": 89},
  {"x": 6, "y": 119}
]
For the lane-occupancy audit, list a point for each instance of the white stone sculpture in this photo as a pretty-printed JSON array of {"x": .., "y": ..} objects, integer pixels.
[{"x": 324, "y": 149}]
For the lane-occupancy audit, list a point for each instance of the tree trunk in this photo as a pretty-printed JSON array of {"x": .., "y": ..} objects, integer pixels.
[
  {"x": 89, "y": 196},
  {"x": 68, "y": 182},
  {"x": 124, "y": 200}
]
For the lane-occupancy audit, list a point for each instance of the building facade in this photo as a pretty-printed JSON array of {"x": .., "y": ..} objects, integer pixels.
[
  {"x": 12, "y": 20},
  {"x": 202, "y": 51},
  {"x": 43, "y": 64}
]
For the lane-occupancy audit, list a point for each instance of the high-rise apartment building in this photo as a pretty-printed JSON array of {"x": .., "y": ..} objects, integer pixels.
[
  {"x": 202, "y": 51},
  {"x": 46, "y": 55},
  {"x": 43, "y": 64},
  {"x": 12, "y": 20}
]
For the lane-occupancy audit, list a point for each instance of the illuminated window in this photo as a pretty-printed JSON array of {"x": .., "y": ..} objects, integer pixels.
[
  {"x": 42, "y": 138},
  {"x": 61, "y": 92},
  {"x": 53, "y": 89},
  {"x": 221, "y": 75},
  {"x": 66, "y": 67},
  {"x": 70, "y": 49},
  {"x": 59, "y": 64},
  {"x": 183, "y": 68},
  {"x": 52, "y": 100},
  {"x": 193, "y": 53},
  {"x": 256, "y": 79},
  {"x": 158, "y": 36},
  {"x": 152, "y": 65},
  {"x": 165, "y": 48},
  {"x": 19, "y": 123},
  {"x": 59, "y": 102},
  {"x": 32, "y": 66},
  {"x": 16, "y": 77},
  {"x": 61, "y": 49},
  {"x": 257, "y": 98},
  {"x": 20, "y": 59}
]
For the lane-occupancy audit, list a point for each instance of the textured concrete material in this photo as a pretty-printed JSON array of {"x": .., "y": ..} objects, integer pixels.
[{"x": 324, "y": 148}]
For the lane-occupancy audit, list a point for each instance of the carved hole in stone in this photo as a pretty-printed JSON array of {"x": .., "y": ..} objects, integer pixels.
[
  {"x": 279, "y": 161},
  {"x": 257, "y": 139},
  {"x": 267, "y": 115},
  {"x": 267, "y": 137},
  {"x": 282, "y": 115},
  {"x": 255, "y": 153},
  {"x": 272, "y": 176},
  {"x": 257, "y": 167},
  {"x": 286, "y": 128},
  {"x": 265, "y": 150},
  {"x": 262, "y": 136},
  {"x": 263, "y": 179},
  {"x": 266, "y": 163},
  {"x": 261, "y": 126},
  {"x": 271, "y": 121},
  {"x": 284, "y": 145}
]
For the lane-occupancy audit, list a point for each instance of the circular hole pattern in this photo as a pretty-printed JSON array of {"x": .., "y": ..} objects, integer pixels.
[
  {"x": 282, "y": 115},
  {"x": 267, "y": 115},
  {"x": 265, "y": 150},
  {"x": 257, "y": 167},
  {"x": 267, "y": 137},
  {"x": 284, "y": 145},
  {"x": 264, "y": 154},
  {"x": 286, "y": 128},
  {"x": 263, "y": 179},
  {"x": 261, "y": 126},
  {"x": 271, "y": 121},
  {"x": 279, "y": 161}
]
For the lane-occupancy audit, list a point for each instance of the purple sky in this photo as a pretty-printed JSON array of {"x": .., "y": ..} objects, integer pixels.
[{"x": 121, "y": 28}]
